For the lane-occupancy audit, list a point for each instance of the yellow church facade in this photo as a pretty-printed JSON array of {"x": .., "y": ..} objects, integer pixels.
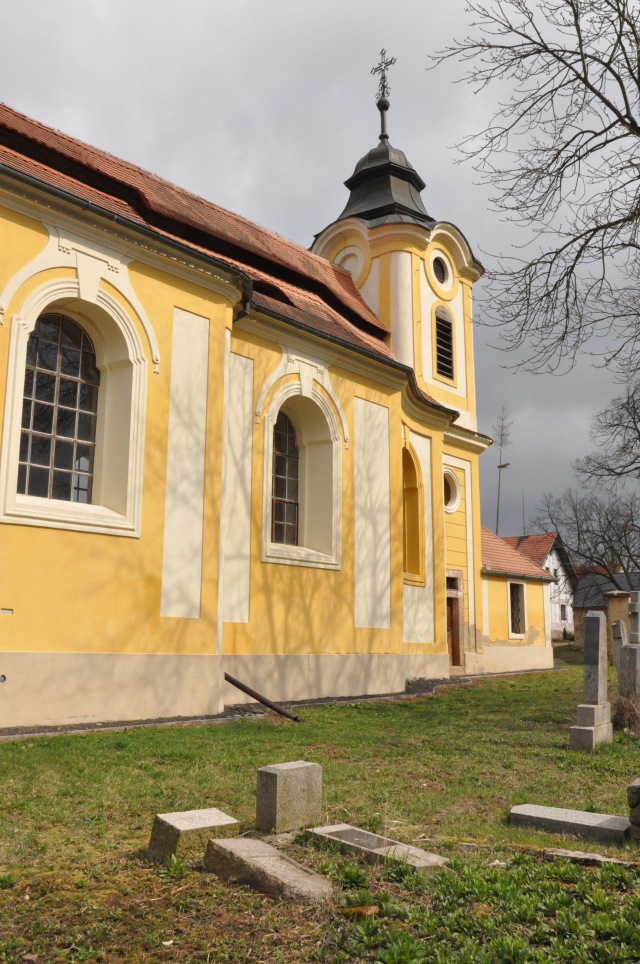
[{"x": 222, "y": 453}]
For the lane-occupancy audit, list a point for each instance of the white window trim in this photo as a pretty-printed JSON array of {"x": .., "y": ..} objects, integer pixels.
[
  {"x": 57, "y": 514},
  {"x": 517, "y": 582},
  {"x": 455, "y": 490},
  {"x": 301, "y": 555}
]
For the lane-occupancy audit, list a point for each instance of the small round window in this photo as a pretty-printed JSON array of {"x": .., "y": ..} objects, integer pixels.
[
  {"x": 451, "y": 491},
  {"x": 440, "y": 271}
]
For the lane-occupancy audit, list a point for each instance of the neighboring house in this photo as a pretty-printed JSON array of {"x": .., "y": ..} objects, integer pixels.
[
  {"x": 222, "y": 452},
  {"x": 547, "y": 550},
  {"x": 516, "y": 603},
  {"x": 606, "y": 594}
]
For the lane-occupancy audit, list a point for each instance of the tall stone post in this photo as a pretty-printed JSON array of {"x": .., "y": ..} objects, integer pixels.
[
  {"x": 634, "y": 618},
  {"x": 594, "y": 713},
  {"x": 628, "y": 653}
]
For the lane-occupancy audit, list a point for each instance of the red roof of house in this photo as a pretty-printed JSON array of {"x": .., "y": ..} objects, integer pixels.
[
  {"x": 537, "y": 547},
  {"x": 498, "y": 556},
  {"x": 287, "y": 279}
]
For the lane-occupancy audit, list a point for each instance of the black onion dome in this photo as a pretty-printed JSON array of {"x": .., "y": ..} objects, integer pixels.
[{"x": 385, "y": 189}]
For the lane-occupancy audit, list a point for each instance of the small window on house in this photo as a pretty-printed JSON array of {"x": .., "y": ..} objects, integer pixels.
[
  {"x": 444, "y": 343},
  {"x": 286, "y": 466},
  {"x": 563, "y": 611},
  {"x": 452, "y": 584},
  {"x": 516, "y": 598},
  {"x": 59, "y": 412}
]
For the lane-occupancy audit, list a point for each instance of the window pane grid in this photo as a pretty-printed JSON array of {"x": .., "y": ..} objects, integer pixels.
[
  {"x": 59, "y": 414},
  {"x": 516, "y": 608},
  {"x": 286, "y": 467}
]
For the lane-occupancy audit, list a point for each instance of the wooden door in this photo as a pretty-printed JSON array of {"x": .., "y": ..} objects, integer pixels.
[{"x": 453, "y": 631}]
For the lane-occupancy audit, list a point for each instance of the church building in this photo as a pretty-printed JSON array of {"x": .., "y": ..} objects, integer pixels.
[{"x": 223, "y": 453}]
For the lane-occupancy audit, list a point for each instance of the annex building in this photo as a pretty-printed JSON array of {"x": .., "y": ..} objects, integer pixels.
[{"x": 221, "y": 452}]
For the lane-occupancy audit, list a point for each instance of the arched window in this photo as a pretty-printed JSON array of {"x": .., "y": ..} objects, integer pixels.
[
  {"x": 444, "y": 343},
  {"x": 71, "y": 455},
  {"x": 413, "y": 523},
  {"x": 301, "y": 501},
  {"x": 59, "y": 412},
  {"x": 286, "y": 470}
]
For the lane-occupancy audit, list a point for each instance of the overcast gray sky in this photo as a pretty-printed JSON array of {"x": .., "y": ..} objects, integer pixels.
[{"x": 265, "y": 108}]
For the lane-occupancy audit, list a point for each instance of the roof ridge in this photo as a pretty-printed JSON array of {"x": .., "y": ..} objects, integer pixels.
[{"x": 166, "y": 200}]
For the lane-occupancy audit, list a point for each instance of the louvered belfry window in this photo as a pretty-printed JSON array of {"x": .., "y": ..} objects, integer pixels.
[
  {"x": 59, "y": 412},
  {"x": 444, "y": 343},
  {"x": 286, "y": 470}
]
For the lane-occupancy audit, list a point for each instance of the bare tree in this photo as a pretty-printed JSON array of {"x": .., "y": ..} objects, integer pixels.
[
  {"x": 616, "y": 433},
  {"x": 600, "y": 532},
  {"x": 563, "y": 156},
  {"x": 502, "y": 436}
]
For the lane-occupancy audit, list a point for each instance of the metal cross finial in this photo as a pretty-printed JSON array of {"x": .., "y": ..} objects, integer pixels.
[{"x": 381, "y": 68}]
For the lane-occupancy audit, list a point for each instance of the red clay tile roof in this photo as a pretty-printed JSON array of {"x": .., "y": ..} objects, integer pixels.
[
  {"x": 535, "y": 547},
  {"x": 499, "y": 557},
  {"x": 287, "y": 279}
]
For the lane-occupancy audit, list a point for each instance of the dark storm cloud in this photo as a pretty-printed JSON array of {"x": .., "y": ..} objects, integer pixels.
[{"x": 265, "y": 108}]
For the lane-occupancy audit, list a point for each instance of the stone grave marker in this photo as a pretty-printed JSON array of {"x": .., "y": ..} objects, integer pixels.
[
  {"x": 619, "y": 633},
  {"x": 262, "y": 867},
  {"x": 604, "y": 827},
  {"x": 634, "y": 618},
  {"x": 593, "y": 725},
  {"x": 633, "y": 799},
  {"x": 374, "y": 848},
  {"x": 627, "y": 663},
  {"x": 187, "y": 832},
  {"x": 289, "y": 796}
]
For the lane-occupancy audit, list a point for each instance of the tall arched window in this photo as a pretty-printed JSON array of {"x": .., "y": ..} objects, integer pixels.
[
  {"x": 444, "y": 343},
  {"x": 302, "y": 469},
  {"x": 286, "y": 469},
  {"x": 59, "y": 412},
  {"x": 413, "y": 523}
]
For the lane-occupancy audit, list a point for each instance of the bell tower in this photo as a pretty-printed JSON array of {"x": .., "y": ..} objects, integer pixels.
[{"x": 414, "y": 272}]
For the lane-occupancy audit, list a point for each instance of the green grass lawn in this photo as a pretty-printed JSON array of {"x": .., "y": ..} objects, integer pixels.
[{"x": 438, "y": 771}]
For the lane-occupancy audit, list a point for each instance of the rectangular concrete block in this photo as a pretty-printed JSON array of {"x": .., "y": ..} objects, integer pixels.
[
  {"x": 374, "y": 848},
  {"x": 187, "y": 832},
  {"x": 587, "y": 738},
  {"x": 594, "y": 715},
  {"x": 592, "y": 826},
  {"x": 289, "y": 796},
  {"x": 263, "y": 868}
]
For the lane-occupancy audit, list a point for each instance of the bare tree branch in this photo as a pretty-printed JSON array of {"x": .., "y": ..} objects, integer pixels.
[{"x": 563, "y": 156}]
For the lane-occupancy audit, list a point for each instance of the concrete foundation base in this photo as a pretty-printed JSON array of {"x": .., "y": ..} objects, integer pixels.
[
  {"x": 593, "y": 727},
  {"x": 310, "y": 676},
  {"x": 587, "y": 738},
  {"x": 58, "y": 689},
  {"x": 509, "y": 659}
]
